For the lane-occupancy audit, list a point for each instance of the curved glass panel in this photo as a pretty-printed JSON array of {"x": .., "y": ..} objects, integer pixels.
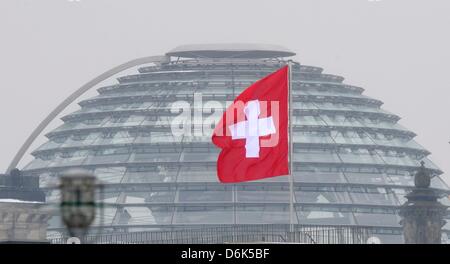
[
  {"x": 370, "y": 219},
  {"x": 203, "y": 215},
  {"x": 263, "y": 214},
  {"x": 319, "y": 217}
]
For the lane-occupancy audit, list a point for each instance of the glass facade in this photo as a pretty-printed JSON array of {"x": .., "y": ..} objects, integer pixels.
[{"x": 353, "y": 162}]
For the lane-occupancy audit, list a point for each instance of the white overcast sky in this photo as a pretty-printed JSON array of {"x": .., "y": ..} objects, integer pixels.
[{"x": 398, "y": 50}]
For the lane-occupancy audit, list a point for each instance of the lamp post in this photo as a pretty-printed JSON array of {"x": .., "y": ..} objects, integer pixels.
[{"x": 78, "y": 206}]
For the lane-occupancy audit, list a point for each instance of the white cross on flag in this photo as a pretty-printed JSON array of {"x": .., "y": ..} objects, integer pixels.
[
  {"x": 253, "y": 132},
  {"x": 252, "y": 129}
]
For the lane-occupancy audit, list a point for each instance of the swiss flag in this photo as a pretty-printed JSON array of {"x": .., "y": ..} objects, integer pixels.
[{"x": 253, "y": 132}]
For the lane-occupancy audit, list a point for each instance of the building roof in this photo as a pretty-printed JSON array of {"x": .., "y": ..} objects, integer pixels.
[
  {"x": 236, "y": 50},
  {"x": 17, "y": 201}
]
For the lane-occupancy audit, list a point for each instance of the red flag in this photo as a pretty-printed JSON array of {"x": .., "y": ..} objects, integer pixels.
[{"x": 253, "y": 132}]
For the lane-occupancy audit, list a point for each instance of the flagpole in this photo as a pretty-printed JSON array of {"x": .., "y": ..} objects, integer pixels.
[{"x": 291, "y": 150}]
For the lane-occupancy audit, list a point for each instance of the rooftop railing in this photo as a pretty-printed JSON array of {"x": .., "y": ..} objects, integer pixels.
[{"x": 235, "y": 234}]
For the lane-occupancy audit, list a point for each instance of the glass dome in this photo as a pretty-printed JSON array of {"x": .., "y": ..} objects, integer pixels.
[{"x": 353, "y": 162}]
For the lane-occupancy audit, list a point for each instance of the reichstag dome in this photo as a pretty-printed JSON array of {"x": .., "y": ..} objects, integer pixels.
[{"x": 353, "y": 162}]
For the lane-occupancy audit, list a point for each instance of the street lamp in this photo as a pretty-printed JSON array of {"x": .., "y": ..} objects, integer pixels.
[{"x": 78, "y": 206}]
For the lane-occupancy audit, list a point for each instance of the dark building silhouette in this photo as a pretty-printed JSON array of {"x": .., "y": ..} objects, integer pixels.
[{"x": 23, "y": 216}]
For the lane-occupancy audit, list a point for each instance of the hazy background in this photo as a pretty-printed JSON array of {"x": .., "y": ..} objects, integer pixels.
[{"x": 398, "y": 50}]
